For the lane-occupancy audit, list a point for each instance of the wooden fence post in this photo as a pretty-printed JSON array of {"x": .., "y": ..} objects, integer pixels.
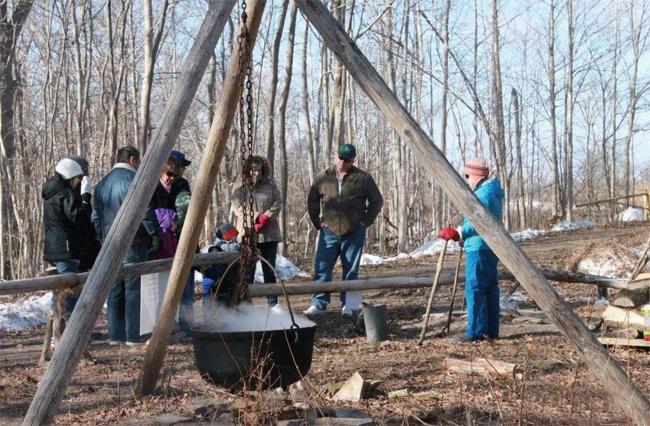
[
  {"x": 205, "y": 181},
  {"x": 77, "y": 333},
  {"x": 600, "y": 363}
]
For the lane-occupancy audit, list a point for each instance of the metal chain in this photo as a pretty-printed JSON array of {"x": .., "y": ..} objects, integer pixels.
[{"x": 248, "y": 250}]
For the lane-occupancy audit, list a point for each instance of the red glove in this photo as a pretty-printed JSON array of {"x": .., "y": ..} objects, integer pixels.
[
  {"x": 261, "y": 222},
  {"x": 449, "y": 233}
]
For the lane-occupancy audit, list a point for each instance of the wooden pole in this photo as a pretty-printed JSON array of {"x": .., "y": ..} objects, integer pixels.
[
  {"x": 205, "y": 181},
  {"x": 77, "y": 333},
  {"x": 609, "y": 200},
  {"x": 453, "y": 291},
  {"x": 57, "y": 282},
  {"x": 409, "y": 282},
  {"x": 614, "y": 380},
  {"x": 441, "y": 260}
]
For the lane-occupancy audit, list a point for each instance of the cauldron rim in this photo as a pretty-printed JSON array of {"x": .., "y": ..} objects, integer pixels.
[{"x": 197, "y": 332}]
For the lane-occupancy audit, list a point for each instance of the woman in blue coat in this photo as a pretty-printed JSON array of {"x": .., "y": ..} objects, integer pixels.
[{"x": 481, "y": 282}]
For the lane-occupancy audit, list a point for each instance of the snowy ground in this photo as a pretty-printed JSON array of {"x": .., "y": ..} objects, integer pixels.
[
  {"x": 27, "y": 313},
  {"x": 631, "y": 214}
]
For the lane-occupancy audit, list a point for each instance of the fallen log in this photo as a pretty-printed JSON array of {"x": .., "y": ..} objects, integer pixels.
[
  {"x": 397, "y": 283},
  {"x": 61, "y": 281},
  {"x": 482, "y": 366}
]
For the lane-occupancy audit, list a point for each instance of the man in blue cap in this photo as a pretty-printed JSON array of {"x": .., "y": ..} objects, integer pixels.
[{"x": 343, "y": 201}]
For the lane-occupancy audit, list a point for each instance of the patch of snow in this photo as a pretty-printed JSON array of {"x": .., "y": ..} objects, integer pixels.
[
  {"x": 28, "y": 313},
  {"x": 371, "y": 259},
  {"x": 433, "y": 247},
  {"x": 631, "y": 214},
  {"x": 507, "y": 304},
  {"x": 400, "y": 256},
  {"x": 527, "y": 234},
  {"x": 571, "y": 226},
  {"x": 610, "y": 267},
  {"x": 285, "y": 268}
]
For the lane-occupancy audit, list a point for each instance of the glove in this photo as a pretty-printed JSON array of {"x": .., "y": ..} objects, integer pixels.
[
  {"x": 86, "y": 185},
  {"x": 449, "y": 233},
  {"x": 263, "y": 219},
  {"x": 156, "y": 245}
]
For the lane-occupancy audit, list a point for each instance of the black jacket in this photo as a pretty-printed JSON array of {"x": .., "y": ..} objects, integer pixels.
[{"x": 62, "y": 219}]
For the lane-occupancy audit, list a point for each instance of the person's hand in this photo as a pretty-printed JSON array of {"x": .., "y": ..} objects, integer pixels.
[
  {"x": 86, "y": 185},
  {"x": 257, "y": 227},
  {"x": 263, "y": 220},
  {"x": 156, "y": 245},
  {"x": 449, "y": 233}
]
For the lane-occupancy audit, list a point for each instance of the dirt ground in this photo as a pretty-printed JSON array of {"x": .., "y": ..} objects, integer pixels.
[{"x": 555, "y": 387}]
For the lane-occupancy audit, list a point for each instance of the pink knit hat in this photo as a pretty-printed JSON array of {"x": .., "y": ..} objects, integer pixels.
[{"x": 477, "y": 167}]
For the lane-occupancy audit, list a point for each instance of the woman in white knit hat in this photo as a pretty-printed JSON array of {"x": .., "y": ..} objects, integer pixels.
[{"x": 62, "y": 219}]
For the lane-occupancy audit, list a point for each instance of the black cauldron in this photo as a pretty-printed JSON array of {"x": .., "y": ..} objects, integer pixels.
[{"x": 263, "y": 359}]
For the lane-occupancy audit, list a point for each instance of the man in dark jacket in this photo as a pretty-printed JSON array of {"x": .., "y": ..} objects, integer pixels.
[
  {"x": 343, "y": 201},
  {"x": 124, "y": 298},
  {"x": 63, "y": 221}
]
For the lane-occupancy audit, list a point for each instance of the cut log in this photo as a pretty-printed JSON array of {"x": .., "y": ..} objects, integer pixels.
[
  {"x": 613, "y": 341},
  {"x": 352, "y": 390},
  {"x": 482, "y": 366},
  {"x": 630, "y": 298},
  {"x": 613, "y": 315}
]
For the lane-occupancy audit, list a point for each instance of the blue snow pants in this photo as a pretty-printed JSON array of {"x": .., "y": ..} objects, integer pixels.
[{"x": 482, "y": 294}]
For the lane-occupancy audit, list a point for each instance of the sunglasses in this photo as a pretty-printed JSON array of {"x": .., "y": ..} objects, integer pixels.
[
  {"x": 346, "y": 160},
  {"x": 171, "y": 174}
]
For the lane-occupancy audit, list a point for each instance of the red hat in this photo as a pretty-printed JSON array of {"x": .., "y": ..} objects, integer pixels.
[{"x": 477, "y": 167}]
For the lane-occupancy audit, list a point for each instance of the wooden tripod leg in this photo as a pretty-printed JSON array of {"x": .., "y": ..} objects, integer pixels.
[
  {"x": 441, "y": 259},
  {"x": 453, "y": 291},
  {"x": 47, "y": 341}
]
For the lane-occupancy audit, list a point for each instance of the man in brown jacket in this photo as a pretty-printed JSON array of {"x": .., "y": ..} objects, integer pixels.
[{"x": 343, "y": 201}]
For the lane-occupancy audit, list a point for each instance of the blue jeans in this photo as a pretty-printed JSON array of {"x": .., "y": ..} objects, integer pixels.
[
  {"x": 62, "y": 268},
  {"x": 482, "y": 293},
  {"x": 124, "y": 302},
  {"x": 330, "y": 247}
]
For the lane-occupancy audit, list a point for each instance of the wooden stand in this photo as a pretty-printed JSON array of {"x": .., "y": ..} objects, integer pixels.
[
  {"x": 614, "y": 380},
  {"x": 206, "y": 179},
  {"x": 75, "y": 338}
]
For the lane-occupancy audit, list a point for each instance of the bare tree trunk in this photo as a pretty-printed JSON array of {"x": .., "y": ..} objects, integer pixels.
[
  {"x": 284, "y": 97},
  {"x": 569, "y": 118},
  {"x": 521, "y": 198},
  {"x": 497, "y": 112},
  {"x": 10, "y": 30},
  {"x": 311, "y": 151},
  {"x": 443, "y": 111},
  {"x": 151, "y": 47},
  {"x": 551, "y": 100},
  {"x": 636, "y": 41},
  {"x": 269, "y": 139},
  {"x": 337, "y": 110},
  {"x": 614, "y": 111}
]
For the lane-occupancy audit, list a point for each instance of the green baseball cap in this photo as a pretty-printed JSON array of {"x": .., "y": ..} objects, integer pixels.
[{"x": 347, "y": 152}]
